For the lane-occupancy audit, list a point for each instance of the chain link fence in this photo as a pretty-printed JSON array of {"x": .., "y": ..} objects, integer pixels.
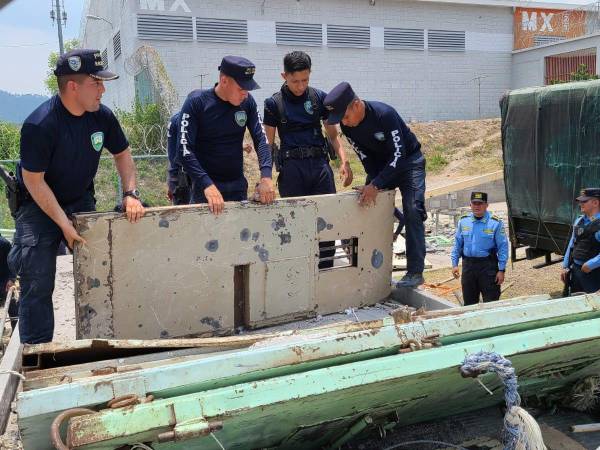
[{"x": 148, "y": 145}]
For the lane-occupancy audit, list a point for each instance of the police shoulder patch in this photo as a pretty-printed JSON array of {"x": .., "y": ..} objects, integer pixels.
[
  {"x": 496, "y": 218},
  {"x": 308, "y": 107},
  {"x": 464, "y": 216},
  {"x": 241, "y": 118},
  {"x": 97, "y": 139}
]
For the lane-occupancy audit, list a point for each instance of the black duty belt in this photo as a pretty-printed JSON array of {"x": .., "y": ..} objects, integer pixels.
[
  {"x": 480, "y": 258},
  {"x": 303, "y": 153}
]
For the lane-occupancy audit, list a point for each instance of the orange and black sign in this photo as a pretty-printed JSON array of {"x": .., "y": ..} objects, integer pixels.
[{"x": 542, "y": 25}]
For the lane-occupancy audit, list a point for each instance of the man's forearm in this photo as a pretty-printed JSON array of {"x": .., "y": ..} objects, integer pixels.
[
  {"x": 46, "y": 200},
  {"x": 336, "y": 142},
  {"x": 339, "y": 150},
  {"x": 126, "y": 168}
]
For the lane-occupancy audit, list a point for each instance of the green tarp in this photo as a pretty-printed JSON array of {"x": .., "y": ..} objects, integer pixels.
[{"x": 551, "y": 148}]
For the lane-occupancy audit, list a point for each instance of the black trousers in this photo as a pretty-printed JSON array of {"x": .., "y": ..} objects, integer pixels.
[
  {"x": 33, "y": 259},
  {"x": 479, "y": 278},
  {"x": 584, "y": 282}
]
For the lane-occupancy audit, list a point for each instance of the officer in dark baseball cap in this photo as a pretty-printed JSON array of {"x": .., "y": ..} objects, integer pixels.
[
  {"x": 241, "y": 70},
  {"x": 211, "y": 135},
  {"x": 83, "y": 61},
  {"x": 392, "y": 158},
  {"x": 581, "y": 264},
  {"x": 61, "y": 144}
]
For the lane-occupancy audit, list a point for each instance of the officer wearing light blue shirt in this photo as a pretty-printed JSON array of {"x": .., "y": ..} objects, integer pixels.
[
  {"x": 481, "y": 242},
  {"x": 582, "y": 258}
]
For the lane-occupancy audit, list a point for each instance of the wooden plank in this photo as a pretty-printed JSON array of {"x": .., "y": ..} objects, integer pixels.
[
  {"x": 465, "y": 184},
  {"x": 556, "y": 440},
  {"x": 586, "y": 428},
  {"x": 399, "y": 263},
  {"x": 11, "y": 362}
]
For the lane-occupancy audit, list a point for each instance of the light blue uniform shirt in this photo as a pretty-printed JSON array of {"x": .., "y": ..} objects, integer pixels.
[
  {"x": 593, "y": 263},
  {"x": 480, "y": 238}
]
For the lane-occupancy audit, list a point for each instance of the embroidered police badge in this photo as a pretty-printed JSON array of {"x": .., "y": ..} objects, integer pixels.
[
  {"x": 308, "y": 106},
  {"x": 97, "y": 140},
  {"x": 74, "y": 63},
  {"x": 379, "y": 136},
  {"x": 241, "y": 118}
]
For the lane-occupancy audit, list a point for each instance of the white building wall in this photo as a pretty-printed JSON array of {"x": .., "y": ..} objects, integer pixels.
[
  {"x": 422, "y": 85},
  {"x": 528, "y": 66}
]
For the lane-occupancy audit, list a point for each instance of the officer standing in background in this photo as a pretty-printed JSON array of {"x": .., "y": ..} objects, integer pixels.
[
  {"x": 581, "y": 264},
  {"x": 178, "y": 184},
  {"x": 61, "y": 143},
  {"x": 391, "y": 156},
  {"x": 211, "y": 134},
  {"x": 296, "y": 112},
  {"x": 481, "y": 242}
]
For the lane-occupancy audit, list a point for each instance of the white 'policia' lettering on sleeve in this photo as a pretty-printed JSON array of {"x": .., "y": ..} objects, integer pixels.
[
  {"x": 397, "y": 146},
  {"x": 183, "y": 131}
]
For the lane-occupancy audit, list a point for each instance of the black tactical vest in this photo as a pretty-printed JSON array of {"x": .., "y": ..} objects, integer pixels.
[{"x": 586, "y": 246}]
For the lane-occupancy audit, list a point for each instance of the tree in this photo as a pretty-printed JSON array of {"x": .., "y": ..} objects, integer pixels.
[
  {"x": 582, "y": 74},
  {"x": 50, "y": 81}
]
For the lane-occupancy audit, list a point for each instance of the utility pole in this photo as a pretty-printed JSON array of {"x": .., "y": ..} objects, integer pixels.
[
  {"x": 478, "y": 79},
  {"x": 61, "y": 19},
  {"x": 202, "y": 75}
]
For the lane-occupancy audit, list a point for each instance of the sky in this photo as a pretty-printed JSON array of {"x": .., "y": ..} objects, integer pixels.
[{"x": 27, "y": 36}]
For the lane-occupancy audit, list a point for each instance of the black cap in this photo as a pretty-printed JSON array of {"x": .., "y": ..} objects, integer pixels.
[
  {"x": 83, "y": 61},
  {"x": 337, "y": 101},
  {"x": 479, "y": 197},
  {"x": 241, "y": 70},
  {"x": 588, "y": 193}
]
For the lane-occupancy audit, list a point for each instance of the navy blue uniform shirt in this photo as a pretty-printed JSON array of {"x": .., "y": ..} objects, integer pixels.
[
  {"x": 299, "y": 113},
  {"x": 211, "y": 135},
  {"x": 383, "y": 143},
  {"x": 67, "y": 147},
  {"x": 172, "y": 139}
]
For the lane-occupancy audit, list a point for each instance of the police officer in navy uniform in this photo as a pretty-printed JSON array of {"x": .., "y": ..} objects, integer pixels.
[
  {"x": 581, "y": 264},
  {"x": 178, "y": 185},
  {"x": 211, "y": 134},
  {"x": 61, "y": 143},
  {"x": 391, "y": 156},
  {"x": 481, "y": 242},
  {"x": 296, "y": 112}
]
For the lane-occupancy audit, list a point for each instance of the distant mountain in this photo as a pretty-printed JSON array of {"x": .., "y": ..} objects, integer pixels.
[{"x": 16, "y": 107}]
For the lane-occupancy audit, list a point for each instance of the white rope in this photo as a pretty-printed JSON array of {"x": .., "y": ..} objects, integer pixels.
[
  {"x": 218, "y": 442},
  {"x": 12, "y": 372}
]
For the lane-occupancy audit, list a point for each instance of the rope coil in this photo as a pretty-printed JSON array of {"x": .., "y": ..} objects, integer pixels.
[{"x": 521, "y": 431}]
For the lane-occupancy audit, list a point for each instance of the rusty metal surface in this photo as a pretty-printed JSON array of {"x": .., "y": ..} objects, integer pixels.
[{"x": 171, "y": 275}]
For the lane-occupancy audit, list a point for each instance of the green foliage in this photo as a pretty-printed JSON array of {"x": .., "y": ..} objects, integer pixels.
[
  {"x": 10, "y": 136},
  {"x": 581, "y": 74},
  {"x": 50, "y": 81},
  {"x": 145, "y": 128},
  {"x": 436, "y": 159}
]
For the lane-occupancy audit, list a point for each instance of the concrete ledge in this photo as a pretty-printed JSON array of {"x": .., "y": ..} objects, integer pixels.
[{"x": 420, "y": 298}]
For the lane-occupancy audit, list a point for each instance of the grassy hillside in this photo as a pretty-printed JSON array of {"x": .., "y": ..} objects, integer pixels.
[{"x": 451, "y": 148}]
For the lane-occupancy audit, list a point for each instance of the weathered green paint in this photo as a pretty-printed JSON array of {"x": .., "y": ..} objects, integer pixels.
[
  {"x": 295, "y": 355},
  {"x": 414, "y": 385}
]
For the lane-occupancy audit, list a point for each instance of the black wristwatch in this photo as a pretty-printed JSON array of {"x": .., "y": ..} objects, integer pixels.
[{"x": 135, "y": 194}]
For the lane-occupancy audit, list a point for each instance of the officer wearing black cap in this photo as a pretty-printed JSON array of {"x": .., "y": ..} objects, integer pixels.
[
  {"x": 211, "y": 133},
  {"x": 178, "y": 184},
  {"x": 391, "y": 156},
  {"x": 581, "y": 264},
  {"x": 296, "y": 112},
  {"x": 61, "y": 143},
  {"x": 481, "y": 242}
]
